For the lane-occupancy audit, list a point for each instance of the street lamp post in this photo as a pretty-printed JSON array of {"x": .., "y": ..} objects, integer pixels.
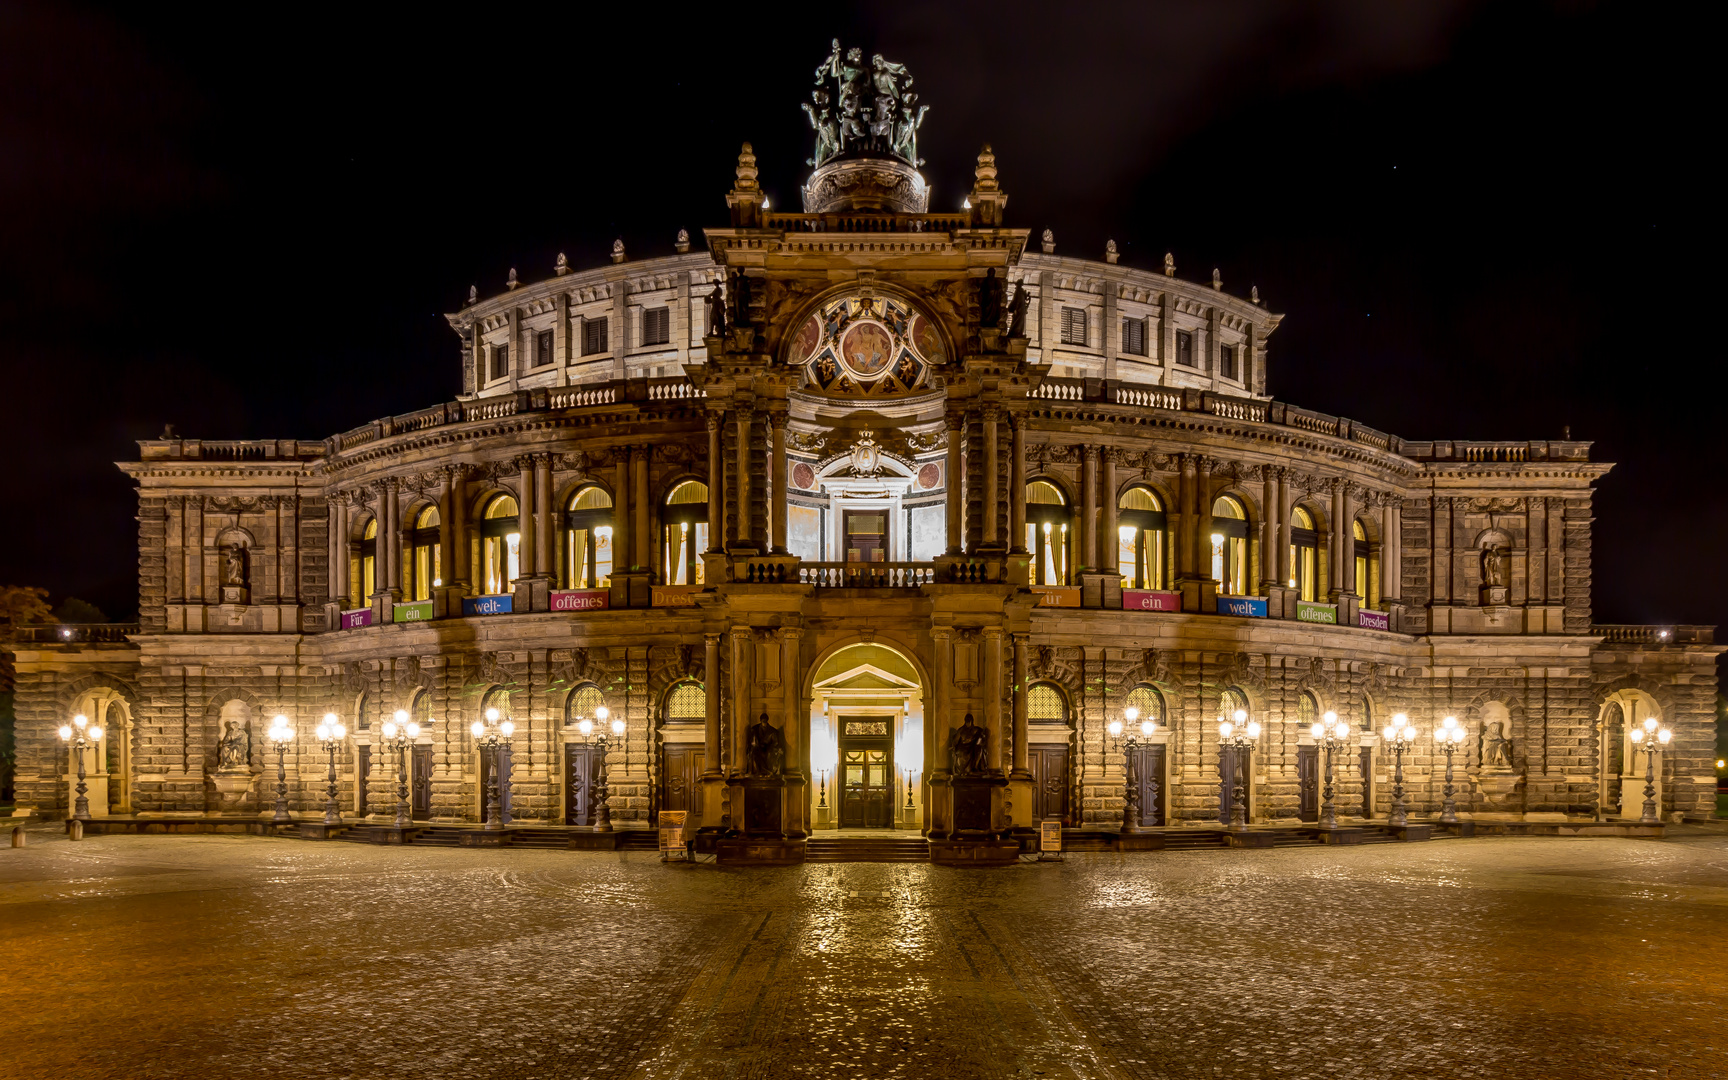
[
  {"x": 1400, "y": 736},
  {"x": 330, "y": 735},
  {"x": 281, "y": 734},
  {"x": 493, "y": 736},
  {"x": 595, "y": 732},
  {"x": 1238, "y": 733},
  {"x": 1450, "y": 737},
  {"x": 81, "y": 735},
  {"x": 1333, "y": 734},
  {"x": 1130, "y": 779},
  {"x": 1652, "y": 741},
  {"x": 401, "y": 733}
]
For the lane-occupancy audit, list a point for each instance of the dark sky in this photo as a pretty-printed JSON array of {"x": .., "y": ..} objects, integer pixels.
[{"x": 1481, "y": 220}]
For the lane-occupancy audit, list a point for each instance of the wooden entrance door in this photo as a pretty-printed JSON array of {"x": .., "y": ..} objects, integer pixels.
[
  {"x": 362, "y": 777},
  {"x": 680, "y": 766},
  {"x": 1308, "y": 783},
  {"x": 420, "y": 783},
  {"x": 503, "y": 762},
  {"x": 579, "y": 771},
  {"x": 866, "y": 787},
  {"x": 1149, "y": 772},
  {"x": 1365, "y": 761},
  {"x": 1049, "y": 783},
  {"x": 1226, "y": 784}
]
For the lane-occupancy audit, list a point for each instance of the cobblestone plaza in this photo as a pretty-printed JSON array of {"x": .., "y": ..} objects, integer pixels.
[{"x": 261, "y": 957}]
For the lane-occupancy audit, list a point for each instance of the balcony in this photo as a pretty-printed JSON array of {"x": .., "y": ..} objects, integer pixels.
[
  {"x": 1653, "y": 634},
  {"x": 77, "y": 634}
]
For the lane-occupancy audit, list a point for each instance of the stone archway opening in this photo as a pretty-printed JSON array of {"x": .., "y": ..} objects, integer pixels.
[{"x": 867, "y": 740}]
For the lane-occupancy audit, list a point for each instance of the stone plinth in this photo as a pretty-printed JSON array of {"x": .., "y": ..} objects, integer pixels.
[
  {"x": 964, "y": 852},
  {"x": 1139, "y": 841},
  {"x": 1410, "y": 832},
  {"x": 749, "y": 851},
  {"x": 233, "y": 789}
]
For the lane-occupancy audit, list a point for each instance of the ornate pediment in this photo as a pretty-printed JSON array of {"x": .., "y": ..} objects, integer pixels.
[{"x": 867, "y": 345}]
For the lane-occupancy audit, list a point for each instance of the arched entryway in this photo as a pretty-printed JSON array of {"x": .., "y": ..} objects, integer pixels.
[
  {"x": 1623, "y": 767},
  {"x": 867, "y": 739}
]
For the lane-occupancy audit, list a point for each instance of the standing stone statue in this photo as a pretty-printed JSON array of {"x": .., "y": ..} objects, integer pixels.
[
  {"x": 1496, "y": 747},
  {"x": 1017, "y": 311},
  {"x": 234, "y": 566},
  {"x": 764, "y": 749},
  {"x": 966, "y": 749},
  {"x": 235, "y": 750},
  {"x": 989, "y": 299},
  {"x": 716, "y": 313},
  {"x": 1494, "y": 567}
]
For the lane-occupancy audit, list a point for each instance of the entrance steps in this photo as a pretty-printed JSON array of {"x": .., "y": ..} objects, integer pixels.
[{"x": 866, "y": 849}]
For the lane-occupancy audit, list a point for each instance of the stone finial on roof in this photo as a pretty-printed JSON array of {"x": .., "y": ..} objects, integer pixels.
[
  {"x": 745, "y": 200},
  {"x": 1169, "y": 264},
  {"x": 746, "y": 169},
  {"x": 618, "y": 251},
  {"x": 683, "y": 242},
  {"x": 473, "y": 294},
  {"x": 1110, "y": 252},
  {"x": 511, "y": 282},
  {"x": 984, "y": 205},
  {"x": 1253, "y": 294},
  {"x": 1217, "y": 281},
  {"x": 562, "y": 266},
  {"x": 1049, "y": 242}
]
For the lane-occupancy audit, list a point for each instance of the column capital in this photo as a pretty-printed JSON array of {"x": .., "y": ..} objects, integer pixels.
[
  {"x": 711, "y": 640},
  {"x": 954, "y": 417},
  {"x": 777, "y": 418},
  {"x": 1091, "y": 451},
  {"x": 942, "y": 633},
  {"x": 1020, "y": 637},
  {"x": 714, "y": 419}
]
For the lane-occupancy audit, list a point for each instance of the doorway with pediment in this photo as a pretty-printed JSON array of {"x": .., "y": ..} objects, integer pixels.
[{"x": 867, "y": 739}]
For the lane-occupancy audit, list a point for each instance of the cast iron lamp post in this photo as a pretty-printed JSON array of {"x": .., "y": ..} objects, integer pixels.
[
  {"x": 492, "y": 735},
  {"x": 401, "y": 733},
  {"x": 1651, "y": 741},
  {"x": 281, "y": 734},
  {"x": 1333, "y": 734},
  {"x": 1450, "y": 737},
  {"x": 81, "y": 736},
  {"x": 595, "y": 732},
  {"x": 1238, "y": 733},
  {"x": 1401, "y": 737},
  {"x": 330, "y": 735},
  {"x": 1131, "y": 783}
]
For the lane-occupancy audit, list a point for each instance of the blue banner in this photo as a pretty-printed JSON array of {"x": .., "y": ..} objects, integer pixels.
[
  {"x": 1249, "y": 607},
  {"x": 487, "y": 605}
]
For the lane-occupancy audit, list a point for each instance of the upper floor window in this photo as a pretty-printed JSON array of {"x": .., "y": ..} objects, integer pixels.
[
  {"x": 1073, "y": 326},
  {"x": 594, "y": 336},
  {"x": 363, "y": 570},
  {"x": 1367, "y": 562},
  {"x": 425, "y": 562},
  {"x": 1230, "y": 546},
  {"x": 1140, "y": 529},
  {"x": 686, "y": 521},
  {"x": 1134, "y": 337},
  {"x": 1185, "y": 348},
  {"x": 656, "y": 325},
  {"x": 1047, "y": 525},
  {"x": 500, "y": 545},
  {"x": 1304, "y": 554},
  {"x": 587, "y": 562},
  {"x": 543, "y": 348},
  {"x": 1227, "y": 361},
  {"x": 500, "y": 362}
]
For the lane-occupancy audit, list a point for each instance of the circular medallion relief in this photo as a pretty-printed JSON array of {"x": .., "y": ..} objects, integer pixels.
[
  {"x": 803, "y": 477},
  {"x": 929, "y": 475},
  {"x": 866, "y": 349},
  {"x": 809, "y": 336},
  {"x": 927, "y": 339}
]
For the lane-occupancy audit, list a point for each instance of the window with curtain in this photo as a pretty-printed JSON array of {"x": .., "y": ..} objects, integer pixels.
[
  {"x": 1047, "y": 525},
  {"x": 587, "y": 560},
  {"x": 425, "y": 555},
  {"x": 1230, "y": 545},
  {"x": 363, "y": 567},
  {"x": 1367, "y": 564},
  {"x": 1304, "y": 554},
  {"x": 685, "y": 521},
  {"x": 1140, "y": 539},
  {"x": 500, "y": 545}
]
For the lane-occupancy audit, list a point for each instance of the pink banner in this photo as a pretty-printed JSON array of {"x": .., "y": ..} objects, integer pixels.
[
  {"x": 1145, "y": 600},
  {"x": 353, "y": 620},
  {"x": 582, "y": 600},
  {"x": 1374, "y": 620}
]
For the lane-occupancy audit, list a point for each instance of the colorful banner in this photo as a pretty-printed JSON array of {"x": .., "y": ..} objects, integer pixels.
[
  {"x": 1374, "y": 620},
  {"x": 1248, "y": 607},
  {"x": 674, "y": 595},
  {"x": 413, "y": 611},
  {"x": 1057, "y": 595},
  {"x": 488, "y": 605},
  {"x": 1317, "y": 613},
  {"x": 582, "y": 600},
  {"x": 1050, "y": 836},
  {"x": 353, "y": 620},
  {"x": 1144, "y": 600}
]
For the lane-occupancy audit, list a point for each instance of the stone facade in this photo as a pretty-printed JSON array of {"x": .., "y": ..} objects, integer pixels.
[{"x": 855, "y": 405}]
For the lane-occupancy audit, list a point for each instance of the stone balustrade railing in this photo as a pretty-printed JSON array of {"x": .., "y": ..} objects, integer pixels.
[
  {"x": 871, "y": 222},
  {"x": 1653, "y": 634},
  {"x": 77, "y": 633},
  {"x": 874, "y": 575}
]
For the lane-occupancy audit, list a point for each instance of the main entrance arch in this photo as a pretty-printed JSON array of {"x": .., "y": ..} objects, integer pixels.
[{"x": 867, "y": 738}]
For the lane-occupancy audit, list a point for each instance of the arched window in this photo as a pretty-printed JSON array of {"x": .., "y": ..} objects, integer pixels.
[
  {"x": 1304, "y": 555},
  {"x": 687, "y": 701},
  {"x": 1140, "y": 539},
  {"x": 1044, "y": 703},
  {"x": 1230, "y": 701},
  {"x": 588, "y": 538},
  {"x": 427, "y": 561},
  {"x": 1367, "y": 563},
  {"x": 1229, "y": 546},
  {"x": 500, "y": 545},
  {"x": 1047, "y": 524},
  {"x": 496, "y": 698},
  {"x": 685, "y": 519},
  {"x": 421, "y": 710},
  {"x": 363, "y": 570},
  {"x": 1367, "y": 713},
  {"x": 582, "y": 702},
  {"x": 1307, "y": 711},
  {"x": 1150, "y": 703},
  {"x": 362, "y": 712}
]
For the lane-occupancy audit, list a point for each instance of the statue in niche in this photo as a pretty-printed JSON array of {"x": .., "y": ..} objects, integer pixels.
[
  {"x": 1494, "y": 560},
  {"x": 966, "y": 749},
  {"x": 764, "y": 749},
  {"x": 1496, "y": 747},
  {"x": 234, "y": 566},
  {"x": 716, "y": 313},
  {"x": 1017, "y": 311},
  {"x": 235, "y": 749},
  {"x": 989, "y": 299}
]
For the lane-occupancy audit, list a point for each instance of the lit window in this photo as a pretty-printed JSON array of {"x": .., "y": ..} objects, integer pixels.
[
  {"x": 1150, "y": 703},
  {"x": 587, "y": 560},
  {"x": 582, "y": 702},
  {"x": 1044, "y": 702},
  {"x": 1047, "y": 523},
  {"x": 1367, "y": 563},
  {"x": 688, "y": 702},
  {"x": 1304, "y": 554},
  {"x": 1140, "y": 539},
  {"x": 1229, "y": 546},
  {"x": 426, "y": 561},
  {"x": 363, "y": 568},
  {"x": 685, "y": 519},
  {"x": 500, "y": 545}
]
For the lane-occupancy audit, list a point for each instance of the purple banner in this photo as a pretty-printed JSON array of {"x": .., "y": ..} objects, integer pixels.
[
  {"x": 1374, "y": 620},
  {"x": 353, "y": 620}
]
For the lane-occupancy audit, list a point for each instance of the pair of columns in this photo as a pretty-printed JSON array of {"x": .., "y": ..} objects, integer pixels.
[
  {"x": 747, "y": 531},
  {"x": 960, "y": 466}
]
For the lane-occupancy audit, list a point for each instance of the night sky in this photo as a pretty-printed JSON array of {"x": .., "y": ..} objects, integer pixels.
[{"x": 1481, "y": 221}]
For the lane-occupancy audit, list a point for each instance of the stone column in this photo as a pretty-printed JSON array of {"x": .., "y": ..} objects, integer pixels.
[
  {"x": 941, "y": 811},
  {"x": 741, "y": 682},
  {"x": 1088, "y": 559},
  {"x": 1017, "y": 487},
  {"x": 713, "y": 778},
  {"x": 993, "y": 667},
  {"x": 992, "y": 519},
  {"x": 1391, "y": 550},
  {"x": 392, "y": 536},
  {"x": 1109, "y": 544},
  {"x": 288, "y": 539},
  {"x": 527, "y": 521},
  {"x": 543, "y": 515},
  {"x": 777, "y": 483},
  {"x": 1185, "y": 527},
  {"x": 794, "y": 727},
  {"x": 338, "y": 550},
  {"x": 641, "y": 530},
  {"x": 1022, "y": 752},
  {"x": 462, "y": 575},
  {"x": 741, "y": 505},
  {"x": 1271, "y": 509},
  {"x": 953, "y": 477},
  {"x": 1342, "y": 566},
  {"x": 1282, "y": 556},
  {"x": 446, "y": 529},
  {"x": 716, "y": 487},
  {"x": 621, "y": 530}
]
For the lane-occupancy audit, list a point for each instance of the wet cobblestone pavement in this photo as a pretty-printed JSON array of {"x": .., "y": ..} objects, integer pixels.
[{"x": 240, "y": 957}]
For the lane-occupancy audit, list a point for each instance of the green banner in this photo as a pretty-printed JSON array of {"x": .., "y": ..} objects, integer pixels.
[
  {"x": 1320, "y": 613},
  {"x": 418, "y": 611}
]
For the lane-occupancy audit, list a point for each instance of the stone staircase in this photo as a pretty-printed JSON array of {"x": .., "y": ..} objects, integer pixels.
[{"x": 883, "y": 849}]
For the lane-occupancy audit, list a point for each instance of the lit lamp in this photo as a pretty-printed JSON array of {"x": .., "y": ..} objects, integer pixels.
[
  {"x": 1400, "y": 736},
  {"x": 280, "y": 735},
  {"x": 493, "y": 735},
  {"x": 1651, "y": 741},
  {"x": 912, "y": 757},
  {"x": 1131, "y": 784},
  {"x": 81, "y": 735},
  {"x": 401, "y": 732},
  {"x": 1450, "y": 737},
  {"x": 1238, "y": 734},
  {"x": 330, "y": 735},
  {"x": 1333, "y": 734},
  {"x": 595, "y": 732}
]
